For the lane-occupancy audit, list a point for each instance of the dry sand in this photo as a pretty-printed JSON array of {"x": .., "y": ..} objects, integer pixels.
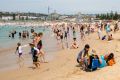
[{"x": 63, "y": 67}]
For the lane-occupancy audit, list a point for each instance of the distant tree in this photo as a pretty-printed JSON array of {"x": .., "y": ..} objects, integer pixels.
[
  {"x": 1, "y": 15},
  {"x": 107, "y": 16},
  {"x": 115, "y": 17},
  {"x": 14, "y": 16},
  {"x": 111, "y": 15}
]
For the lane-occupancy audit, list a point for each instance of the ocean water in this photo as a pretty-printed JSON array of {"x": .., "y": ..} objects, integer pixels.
[
  {"x": 50, "y": 46},
  {"x": 8, "y": 45},
  {"x": 49, "y": 42}
]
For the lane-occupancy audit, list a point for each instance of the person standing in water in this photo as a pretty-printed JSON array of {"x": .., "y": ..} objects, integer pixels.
[
  {"x": 13, "y": 35},
  {"x": 20, "y": 34},
  {"x": 27, "y": 34},
  {"x": 35, "y": 39},
  {"x": 19, "y": 50},
  {"x": 35, "y": 53},
  {"x": 74, "y": 34},
  {"x": 40, "y": 45}
]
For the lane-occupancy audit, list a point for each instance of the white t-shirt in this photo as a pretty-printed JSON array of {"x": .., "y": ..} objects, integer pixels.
[
  {"x": 20, "y": 50},
  {"x": 36, "y": 49}
]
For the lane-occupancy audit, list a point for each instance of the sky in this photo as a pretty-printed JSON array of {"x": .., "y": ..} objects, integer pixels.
[{"x": 60, "y": 6}]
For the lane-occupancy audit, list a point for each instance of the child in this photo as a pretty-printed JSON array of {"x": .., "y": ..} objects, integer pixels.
[
  {"x": 74, "y": 44},
  {"x": 19, "y": 49},
  {"x": 110, "y": 37},
  {"x": 35, "y": 53}
]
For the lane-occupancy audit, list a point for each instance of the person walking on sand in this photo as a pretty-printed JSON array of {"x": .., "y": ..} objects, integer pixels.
[
  {"x": 82, "y": 33},
  {"x": 116, "y": 28},
  {"x": 74, "y": 34},
  {"x": 99, "y": 32},
  {"x": 107, "y": 28}
]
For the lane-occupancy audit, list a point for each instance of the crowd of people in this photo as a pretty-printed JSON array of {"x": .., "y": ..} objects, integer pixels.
[
  {"x": 38, "y": 55},
  {"x": 88, "y": 61},
  {"x": 108, "y": 29},
  {"x": 66, "y": 31},
  {"x": 24, "y": 34}
]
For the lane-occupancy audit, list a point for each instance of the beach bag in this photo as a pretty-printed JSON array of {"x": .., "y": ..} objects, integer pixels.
[
  {"x": 103, "y": 64},
  {"x": 111, "y": 62},
  {"x": 95, "y": 64}
]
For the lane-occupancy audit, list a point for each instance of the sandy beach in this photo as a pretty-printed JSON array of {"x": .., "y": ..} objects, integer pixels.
[
  {"x": 60, "y": 40},
  {"x": 64, "y": 65}
]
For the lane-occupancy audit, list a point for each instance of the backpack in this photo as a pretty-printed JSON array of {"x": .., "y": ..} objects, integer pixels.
[
  {"x": 95, "y": 64},
  {"x": 111, "y": 62}
]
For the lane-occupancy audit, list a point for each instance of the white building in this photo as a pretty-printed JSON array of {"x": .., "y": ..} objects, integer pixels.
[{"x": 7, "y": 18}]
